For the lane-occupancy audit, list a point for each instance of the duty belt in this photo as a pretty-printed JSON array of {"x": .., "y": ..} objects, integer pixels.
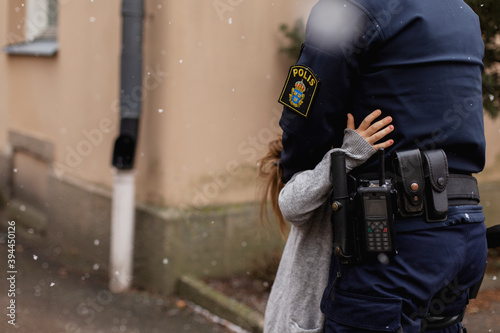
[
  {"x": 462, "y": 190},
  {"x": 424, "y": 187},
  {"x": 414, "y": 194}
]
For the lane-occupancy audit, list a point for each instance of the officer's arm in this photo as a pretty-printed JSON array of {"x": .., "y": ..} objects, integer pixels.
[{"x": 331, "y": 54}]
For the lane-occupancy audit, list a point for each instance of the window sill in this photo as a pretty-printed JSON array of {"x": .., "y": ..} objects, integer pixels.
[{"x": 36, "y": 48}]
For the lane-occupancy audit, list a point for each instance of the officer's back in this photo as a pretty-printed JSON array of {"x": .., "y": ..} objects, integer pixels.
[{"x": 418, "y": 61}]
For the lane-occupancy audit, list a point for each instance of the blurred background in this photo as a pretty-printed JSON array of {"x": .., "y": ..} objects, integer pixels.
[{"x": 195, "y": 117}]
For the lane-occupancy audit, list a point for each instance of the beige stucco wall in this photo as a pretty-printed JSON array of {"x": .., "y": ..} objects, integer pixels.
[
  {"x": 60, "y": 99},
  {"x": 221, "y": 77},
  {"x": 491, "y": 170},
  {"x": 492, "y": 130},
  {"x": 211, "y": 79}
]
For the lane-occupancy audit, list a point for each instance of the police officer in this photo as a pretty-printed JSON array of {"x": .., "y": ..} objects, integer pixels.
[{"x": 420, "y": 62}]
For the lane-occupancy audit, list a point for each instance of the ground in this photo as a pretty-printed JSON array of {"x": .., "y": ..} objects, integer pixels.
[{"x": 251, "y": 291}]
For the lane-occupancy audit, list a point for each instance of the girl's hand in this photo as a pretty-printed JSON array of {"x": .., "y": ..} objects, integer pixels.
[{"x": 373, "y": 133}]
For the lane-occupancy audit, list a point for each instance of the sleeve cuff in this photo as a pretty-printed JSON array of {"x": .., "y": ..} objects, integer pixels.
[{"x": 357, "y": 149}]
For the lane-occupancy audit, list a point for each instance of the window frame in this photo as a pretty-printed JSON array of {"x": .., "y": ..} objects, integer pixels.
[{"x": 40, "y": 29}]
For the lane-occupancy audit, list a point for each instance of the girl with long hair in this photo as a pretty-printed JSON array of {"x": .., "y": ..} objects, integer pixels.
[{"x": 294, "y": 302}]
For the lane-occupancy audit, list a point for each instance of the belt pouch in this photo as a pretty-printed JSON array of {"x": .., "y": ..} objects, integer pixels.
[
  {"x": 436, "y": 180},
  {"x": 410, "y": 182}
]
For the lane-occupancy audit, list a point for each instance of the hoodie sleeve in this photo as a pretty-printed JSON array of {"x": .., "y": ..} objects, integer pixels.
[{"x": 308, "y": 190}]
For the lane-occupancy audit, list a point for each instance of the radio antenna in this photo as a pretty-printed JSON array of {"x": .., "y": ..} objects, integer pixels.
[{"x": 381, "y": 165}]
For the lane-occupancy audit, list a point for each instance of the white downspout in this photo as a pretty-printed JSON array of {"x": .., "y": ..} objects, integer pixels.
[
  {"x": 122, "y": 230},
  {"x": 123, "y": 203}
]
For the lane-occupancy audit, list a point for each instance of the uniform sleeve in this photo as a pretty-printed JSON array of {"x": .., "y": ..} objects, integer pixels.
[
  {"x": 331, "y": 51},
  {"x": 308, "y": 190}
]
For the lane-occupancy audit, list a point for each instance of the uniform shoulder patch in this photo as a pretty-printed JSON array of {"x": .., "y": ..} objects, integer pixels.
[{"x": 300, "y": 89}]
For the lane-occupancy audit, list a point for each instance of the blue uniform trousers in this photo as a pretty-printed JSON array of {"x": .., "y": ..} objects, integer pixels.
[{"x": 432, "y": 272}]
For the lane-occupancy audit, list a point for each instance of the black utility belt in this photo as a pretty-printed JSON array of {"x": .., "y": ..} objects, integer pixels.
[
  {"x": 417, "y": 185},
  {"x": 422, "y": 185},
  {"x": 462, "y": 190}
]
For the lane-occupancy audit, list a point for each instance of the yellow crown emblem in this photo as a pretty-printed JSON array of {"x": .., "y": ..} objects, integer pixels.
[{"x": 300, "y": 86}]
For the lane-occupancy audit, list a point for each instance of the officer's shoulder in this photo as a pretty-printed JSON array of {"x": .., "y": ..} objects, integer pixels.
[{"x": 336, "y": 21}]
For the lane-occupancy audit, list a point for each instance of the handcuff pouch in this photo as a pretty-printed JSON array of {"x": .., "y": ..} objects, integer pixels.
[
  {"x": 436, "y": 177},
  {"x": 410, "y": 182}
]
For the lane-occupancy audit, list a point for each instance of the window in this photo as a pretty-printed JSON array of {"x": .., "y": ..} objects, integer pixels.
[
  {"x": 33, "y": 28},
  {"x": 41, "y": 19}
]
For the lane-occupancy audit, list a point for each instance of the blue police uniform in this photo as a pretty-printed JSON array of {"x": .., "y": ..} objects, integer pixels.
[{"x": 419, "y": 62}]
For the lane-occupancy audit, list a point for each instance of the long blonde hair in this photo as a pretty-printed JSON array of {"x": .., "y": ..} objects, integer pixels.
[{"x": 269, "y": 170}]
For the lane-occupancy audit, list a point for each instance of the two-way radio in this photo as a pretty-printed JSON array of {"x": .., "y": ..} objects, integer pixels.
[{"x": 376, "y": 218}]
